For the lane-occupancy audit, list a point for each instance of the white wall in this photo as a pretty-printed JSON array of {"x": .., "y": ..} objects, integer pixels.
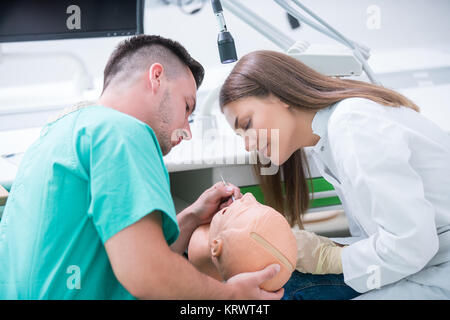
[{"x": 403, "y": 24}]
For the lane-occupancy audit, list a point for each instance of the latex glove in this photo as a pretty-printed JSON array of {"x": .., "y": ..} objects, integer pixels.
[{"x": 317, "y": 254}]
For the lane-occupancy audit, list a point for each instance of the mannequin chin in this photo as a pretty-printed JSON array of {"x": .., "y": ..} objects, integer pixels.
[{"x": 246, "y": 236}]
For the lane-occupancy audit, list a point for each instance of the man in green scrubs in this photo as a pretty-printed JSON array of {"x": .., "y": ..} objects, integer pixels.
[{"x": 90, "y": 214}]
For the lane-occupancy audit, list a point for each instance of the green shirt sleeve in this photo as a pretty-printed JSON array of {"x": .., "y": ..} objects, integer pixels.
[{"x": 127, "y": 177}]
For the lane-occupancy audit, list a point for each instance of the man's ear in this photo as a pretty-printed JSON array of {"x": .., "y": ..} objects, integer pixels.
[
  {"x": 216, "y": 247},
  {"x": 155, "y": 73}
]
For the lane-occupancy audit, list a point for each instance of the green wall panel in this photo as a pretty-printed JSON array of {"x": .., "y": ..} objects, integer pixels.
[{"x": 318, "y": 184}]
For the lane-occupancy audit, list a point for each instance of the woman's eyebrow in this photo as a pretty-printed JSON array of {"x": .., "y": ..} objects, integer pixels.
[{"x": 236, "y": 123}]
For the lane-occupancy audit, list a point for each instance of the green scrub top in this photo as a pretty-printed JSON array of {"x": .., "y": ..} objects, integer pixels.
[{"x": 91, "y": 173}]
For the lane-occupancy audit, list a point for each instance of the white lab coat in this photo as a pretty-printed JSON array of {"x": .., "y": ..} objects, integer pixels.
[{"x": 391, "y": 169}]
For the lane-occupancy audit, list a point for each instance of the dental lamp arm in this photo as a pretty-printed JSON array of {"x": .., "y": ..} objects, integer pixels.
[
  {"x": 266, "y": 29},
  {"x": 287, "y": 44},
  {"x": 361, "y": 56},
  {"x": 299, "y": 16}
]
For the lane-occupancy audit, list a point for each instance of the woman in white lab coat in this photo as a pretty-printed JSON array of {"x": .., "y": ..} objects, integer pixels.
[{"x": 390, "y": 167}]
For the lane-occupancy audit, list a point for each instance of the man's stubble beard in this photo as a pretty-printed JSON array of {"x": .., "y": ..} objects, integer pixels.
[{"x": 163, "y": 131}]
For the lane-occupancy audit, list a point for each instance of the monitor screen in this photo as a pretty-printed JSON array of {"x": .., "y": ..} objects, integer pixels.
[{"x": 28, "y": 20}]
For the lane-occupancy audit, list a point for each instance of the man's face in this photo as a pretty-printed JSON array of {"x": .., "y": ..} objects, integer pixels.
[{"x": 177, "y": 104}]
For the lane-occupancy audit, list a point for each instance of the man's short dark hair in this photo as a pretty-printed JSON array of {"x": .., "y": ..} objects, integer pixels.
[{"x": 139, "y": 52}]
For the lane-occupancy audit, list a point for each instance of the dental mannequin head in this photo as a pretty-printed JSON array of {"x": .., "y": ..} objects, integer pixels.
[{"x": 244, "y": 237}]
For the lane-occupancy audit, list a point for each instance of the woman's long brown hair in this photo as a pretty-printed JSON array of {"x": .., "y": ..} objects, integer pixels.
[{"x": 263, "y": 73}]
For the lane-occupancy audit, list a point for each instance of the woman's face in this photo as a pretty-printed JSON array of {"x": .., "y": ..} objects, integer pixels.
[{"x": 248, "y": 116}]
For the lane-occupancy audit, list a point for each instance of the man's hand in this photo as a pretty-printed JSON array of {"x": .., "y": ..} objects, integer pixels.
[
  {"x": 212, "y": 200},
  {"x": 148, "y": 269},
  {"x": 246, "y": 285},
  {"x": 202, "y": 211}
]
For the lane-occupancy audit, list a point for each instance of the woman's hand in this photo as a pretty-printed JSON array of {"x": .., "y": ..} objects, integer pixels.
[
  {"x": 317, "y": 254},
  {"x": 213, "y": 200}
]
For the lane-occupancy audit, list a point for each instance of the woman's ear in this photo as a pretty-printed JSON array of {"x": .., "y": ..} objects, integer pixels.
[{"x": 216, "y": 247}]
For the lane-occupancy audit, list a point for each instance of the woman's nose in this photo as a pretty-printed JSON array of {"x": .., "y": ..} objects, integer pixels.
[{"x": 250, "y": 143}]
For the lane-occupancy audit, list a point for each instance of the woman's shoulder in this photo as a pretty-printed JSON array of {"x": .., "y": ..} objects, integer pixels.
[
  {"x": 357, "y": 108},
  {"x": 358, "y": 113},
  {"x": 355, "y": 105}
]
